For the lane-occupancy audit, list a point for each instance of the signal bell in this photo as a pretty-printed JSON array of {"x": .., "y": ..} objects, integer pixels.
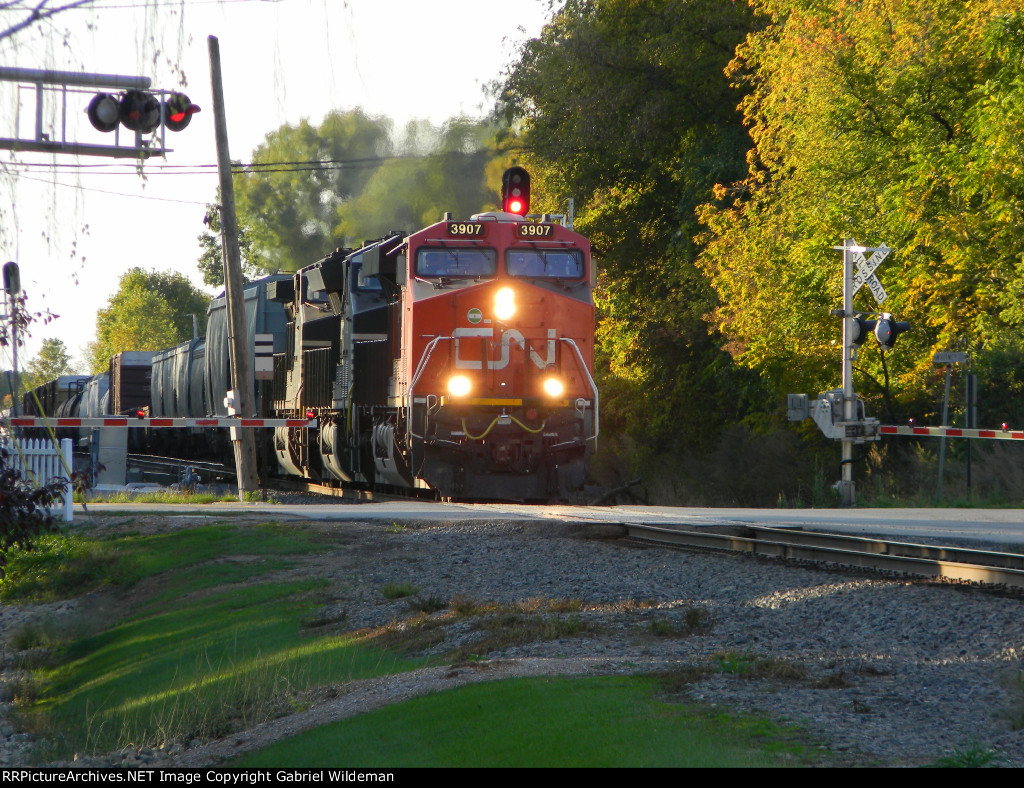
[{"x": 515, "y": 191}]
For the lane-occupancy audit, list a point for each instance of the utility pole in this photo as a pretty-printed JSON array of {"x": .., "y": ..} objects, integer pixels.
[
  {"x": 847, "y": 493},
  {"x": 242, "y": 439}
]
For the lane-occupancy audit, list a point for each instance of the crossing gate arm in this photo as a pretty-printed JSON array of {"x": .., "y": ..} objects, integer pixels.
[
  {"x": 953, "y": 432},
  {"x": 125, "y": 421}
]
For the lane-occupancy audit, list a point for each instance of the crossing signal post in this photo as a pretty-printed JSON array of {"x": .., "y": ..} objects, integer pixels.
[{"x": 840, "y": 413}]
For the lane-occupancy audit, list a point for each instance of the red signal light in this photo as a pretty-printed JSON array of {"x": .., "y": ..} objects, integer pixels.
[
  {"x": 515, "y": 191},
  {"x": 178, "y": 111},
  {"x": 140, "y": 111}
]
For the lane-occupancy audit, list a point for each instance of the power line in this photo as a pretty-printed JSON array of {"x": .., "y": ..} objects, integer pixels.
[
  {"x": 310, "y": 165},
  {"x": 118, "y": 194}
]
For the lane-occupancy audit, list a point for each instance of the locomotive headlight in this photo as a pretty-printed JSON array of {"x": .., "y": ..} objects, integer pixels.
[
  {"x": 553, "y": 387},
  {"x": 504, "y": 303},
  {"x": 459, "y": 385}
]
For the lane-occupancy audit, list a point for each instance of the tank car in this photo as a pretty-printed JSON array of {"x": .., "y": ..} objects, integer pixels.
[{"x": 458, "y": 358}]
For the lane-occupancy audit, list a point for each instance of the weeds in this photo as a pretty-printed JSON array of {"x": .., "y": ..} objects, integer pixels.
[
  {"x": 1013, "y": 712},
  {"x": 972, "y": 756},
  {"x": 427, "y": 604},
  {"x": 392, "y": 591},
  {"x": 749, "y": 666},
  {"x": 694, "y": 619}
]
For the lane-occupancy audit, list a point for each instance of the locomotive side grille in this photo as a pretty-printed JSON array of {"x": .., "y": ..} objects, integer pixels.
[
  {"x": 398, "y": 375},
  {"x": 279, "y": 392},
  {"x": 289, "y": 343},
  {"x": 342, "y": 385},
  {"x": 319, "y": 378}
]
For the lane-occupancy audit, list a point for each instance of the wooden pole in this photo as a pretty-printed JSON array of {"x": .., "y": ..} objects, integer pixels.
[{"x": 242, "y": 440}]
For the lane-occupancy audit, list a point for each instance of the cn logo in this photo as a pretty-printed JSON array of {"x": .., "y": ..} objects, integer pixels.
[{"x": 508, "y": 337}]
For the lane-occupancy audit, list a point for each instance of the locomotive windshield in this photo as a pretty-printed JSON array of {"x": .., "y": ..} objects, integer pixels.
[
  {"x": 452, "y": 263},
  {"x": 545, "y": 263}
]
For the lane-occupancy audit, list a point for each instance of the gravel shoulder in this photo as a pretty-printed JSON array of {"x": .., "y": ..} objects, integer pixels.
[{"x": 890, "y": 672}]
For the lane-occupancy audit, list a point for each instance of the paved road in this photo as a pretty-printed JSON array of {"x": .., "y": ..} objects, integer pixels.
[{"x": 994, "y": 526}]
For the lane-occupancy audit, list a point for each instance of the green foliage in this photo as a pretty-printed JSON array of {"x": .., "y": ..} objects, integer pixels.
[
  {"x": 211, "y": 261},
  {"x": 439, "y": 170},
  {"x": 311, "y": 188},
  {"x": 51, "y": 362},
  {"x": 288, "y": 200},
  {"x": 150, "y": 311},
  {"x": 625, "y": 107},
  {"x": 876, "y": 121}
]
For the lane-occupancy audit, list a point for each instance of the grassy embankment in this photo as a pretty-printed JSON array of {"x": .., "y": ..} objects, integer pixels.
[{"x": 209, "y": 640}]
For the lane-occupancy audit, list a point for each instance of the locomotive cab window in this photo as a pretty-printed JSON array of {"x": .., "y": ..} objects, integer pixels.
[
  {"x": 456, "y": 263},
  {"x": 545, "y": 263},
  {"x": 366, "y": 283}
]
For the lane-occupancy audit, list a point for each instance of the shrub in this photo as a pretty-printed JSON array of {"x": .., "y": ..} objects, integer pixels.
[{"x": 23, "y": 508}]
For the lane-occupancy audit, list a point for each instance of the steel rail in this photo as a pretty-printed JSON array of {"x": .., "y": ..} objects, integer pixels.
[{"x": 927, "y": 561}]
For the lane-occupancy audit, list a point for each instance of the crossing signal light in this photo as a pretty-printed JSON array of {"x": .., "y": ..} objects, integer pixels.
[
  {"x": 861, "y": 329},
  {"x": 104, "y": 112},
  {"x": 178, "y": 111},
  {"x": 515, "y": 191},
  {"x": 887, "y": 330},
  {"x": 140, "y": 111}
]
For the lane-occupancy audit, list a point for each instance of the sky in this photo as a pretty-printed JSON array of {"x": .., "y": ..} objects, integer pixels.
[{"x": 74, "y": 224}]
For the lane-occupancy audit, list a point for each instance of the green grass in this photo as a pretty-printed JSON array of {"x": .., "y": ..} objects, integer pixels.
[
  {"x": 199, "y": 656},
  {"x": 543, "y": 722},
  {"x": 64, "y": 565}
]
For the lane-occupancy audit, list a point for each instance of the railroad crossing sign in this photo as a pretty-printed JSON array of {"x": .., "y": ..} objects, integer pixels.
[{"x": 865, "y": 271}]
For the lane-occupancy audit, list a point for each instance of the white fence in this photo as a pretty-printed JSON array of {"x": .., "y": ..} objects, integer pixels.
[{"x": 39, "y": 462}]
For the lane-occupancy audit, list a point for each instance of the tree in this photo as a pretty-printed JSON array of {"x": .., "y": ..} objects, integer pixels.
[
  {"x": 311, "y": 189},
  {"x": 51, "y": 362},
  {"x": 894, "y": 122},
  {"x": 288, "y": 198},
  {"x": 441, "y": 170},
  {"x": 36, "y": 12},
  {"x": 211, "y": 261},
  {"x": 150, "y": 311},
  {"x": 624, "y": 106}
]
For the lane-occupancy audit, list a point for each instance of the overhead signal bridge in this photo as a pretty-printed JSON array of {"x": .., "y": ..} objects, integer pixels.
[{"x": 144, "y": 114}]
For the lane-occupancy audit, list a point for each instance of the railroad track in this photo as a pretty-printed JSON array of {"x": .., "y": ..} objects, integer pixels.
[{"x": 952, "y": 564}]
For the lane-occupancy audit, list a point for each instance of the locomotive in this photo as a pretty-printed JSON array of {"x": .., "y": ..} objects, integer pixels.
[{"x": 457, "y": 359}]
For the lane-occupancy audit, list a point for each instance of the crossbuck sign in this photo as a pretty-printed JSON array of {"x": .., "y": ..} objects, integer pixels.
[{"x": 866, "y": 272}]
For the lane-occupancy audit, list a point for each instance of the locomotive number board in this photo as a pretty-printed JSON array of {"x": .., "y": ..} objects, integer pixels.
[
  {"x": 466, "y": 229},
  {"x": 532, "y": 230}
]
